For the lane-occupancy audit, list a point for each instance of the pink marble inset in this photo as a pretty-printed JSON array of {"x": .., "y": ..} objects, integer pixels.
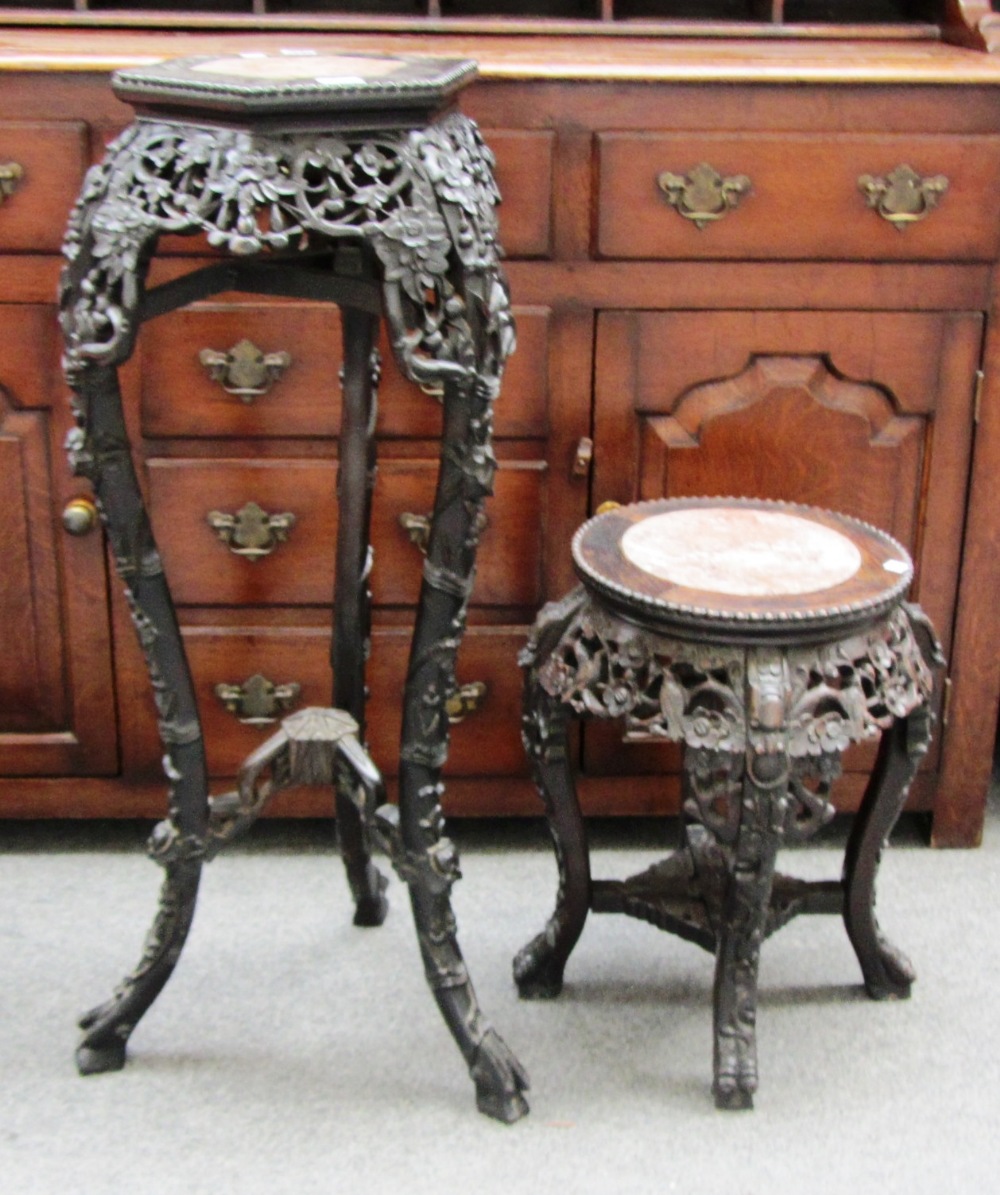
[{"x": 741, "y": 551}]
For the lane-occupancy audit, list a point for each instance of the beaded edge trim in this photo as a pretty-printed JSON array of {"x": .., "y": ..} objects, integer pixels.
[{"x": 143, "y": 83}]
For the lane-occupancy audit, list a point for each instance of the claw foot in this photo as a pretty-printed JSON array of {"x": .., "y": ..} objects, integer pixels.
[
  {"x": 371, "y": 906},
  {"x": 500, "y": 1080},
  {"x": 538, "y": 973},
  {"x": 97, "y": 1060},
  {"x": 892, "y": 979}
]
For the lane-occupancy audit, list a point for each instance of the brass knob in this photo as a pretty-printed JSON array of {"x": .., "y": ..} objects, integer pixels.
[{"x": 79, "y": 516}]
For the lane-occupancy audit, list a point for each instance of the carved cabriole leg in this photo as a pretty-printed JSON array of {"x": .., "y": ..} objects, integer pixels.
[
  {"x": 886, "y": 970},
  {"x": 352, "y": 598},
  {"x": 538, "y": 966},
  {"x": 102, "y": 454},
  {"x": 429, "y": 863}
]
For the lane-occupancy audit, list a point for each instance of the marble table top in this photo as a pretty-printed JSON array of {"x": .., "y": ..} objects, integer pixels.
[{"x": 735, "y": 550}]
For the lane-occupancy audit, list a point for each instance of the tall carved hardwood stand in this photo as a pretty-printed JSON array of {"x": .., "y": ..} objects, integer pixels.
[
  {"x": 340, "y": 177},
  {"x": 765, "y": 638}
]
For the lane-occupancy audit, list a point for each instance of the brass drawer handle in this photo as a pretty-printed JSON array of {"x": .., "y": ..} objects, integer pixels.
[
  {"x": 258, "y": 701},
  {"x": 703, "y": 195},
  {"x": 11, "y": 174},
  {"x": 903, "y": 197},
  {"x": 245, "y": 370},
  {"x": 251, "y": 532},
  {"x": 418, "y": 528},
  {"x": 465, "y": 700}
]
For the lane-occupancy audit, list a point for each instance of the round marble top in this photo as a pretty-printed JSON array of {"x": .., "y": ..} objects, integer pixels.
[
  {"x": 735, "y": 567},
  {"x": 737, "y": 550}
]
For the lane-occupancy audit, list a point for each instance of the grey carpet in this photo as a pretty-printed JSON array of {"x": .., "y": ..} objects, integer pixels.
[{"x": 292, "y": 1053}]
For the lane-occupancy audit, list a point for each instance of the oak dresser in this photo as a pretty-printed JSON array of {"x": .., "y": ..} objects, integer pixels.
[{"x": 752, "y": 251}]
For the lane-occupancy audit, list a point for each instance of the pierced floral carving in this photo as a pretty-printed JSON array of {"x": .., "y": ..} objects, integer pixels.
[{"x": 425, "y": 200}]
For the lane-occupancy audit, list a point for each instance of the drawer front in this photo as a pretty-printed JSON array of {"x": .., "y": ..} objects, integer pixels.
[
  {"x": 487, "y": 741},
  {"x": 296, "y": 566},
  {"x": 524, "y": 176},
  {"x": 789, "y": 196},
  {"x": 41, "y": 168},
  {"x": 271, "y": 369}
]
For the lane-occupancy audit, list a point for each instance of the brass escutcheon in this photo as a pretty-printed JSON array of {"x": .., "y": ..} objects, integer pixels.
[
  {"x": 903, "y": 197},
  {"x": 11, "y": 174},
  {"x": 465, "y": 700},
  {"x": 703, "y": 195},
  {"x": 245, "y": 370},
  {"x": 251, "y": 532},
  {"x": 258, "y": 701}
]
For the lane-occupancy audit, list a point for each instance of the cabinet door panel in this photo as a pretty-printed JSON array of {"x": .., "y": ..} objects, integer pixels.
[
  {"x": 866, "y": 413},
  {"x": 56, "y": 693}
]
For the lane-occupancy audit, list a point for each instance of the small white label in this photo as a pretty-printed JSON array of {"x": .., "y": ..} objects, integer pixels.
[{"x": 896, "y": 566}]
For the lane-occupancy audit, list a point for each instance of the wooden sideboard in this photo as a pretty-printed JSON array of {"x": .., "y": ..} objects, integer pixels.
[{"x": 795, "y": 343}]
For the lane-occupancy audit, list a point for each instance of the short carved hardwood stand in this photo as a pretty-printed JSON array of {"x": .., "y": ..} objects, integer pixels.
[
  {"x": 765, "y": 638},
  {"x": 366, "y": 190}
]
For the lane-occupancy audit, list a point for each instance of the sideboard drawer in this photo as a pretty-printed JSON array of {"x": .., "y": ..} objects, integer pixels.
[
  {"x": 485, "y": 741},
  {"x": 524, "y": 177},
  {"x": 201, "y": 367},
  {"x": 296, "y": 566},
  {"x": 41, "y": 167},
  {"x": 792, "y": 196}
]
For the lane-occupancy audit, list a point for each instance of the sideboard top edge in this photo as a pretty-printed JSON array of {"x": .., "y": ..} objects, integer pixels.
[{"x": 552, "y": 59}]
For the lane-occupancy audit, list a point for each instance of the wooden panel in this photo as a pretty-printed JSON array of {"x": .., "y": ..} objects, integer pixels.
[
  {"x": 31, "y": 644},
  {"x": 203, "y": 571},
  {"x": 487, "y": 742},
  {"x": 52, "y": 157},
  {"x": 180, "y": 399},
  {"x": 804, "y": 200},
  {"x": 56, "y": 690},
  {"x": 524, "y": 175}
]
